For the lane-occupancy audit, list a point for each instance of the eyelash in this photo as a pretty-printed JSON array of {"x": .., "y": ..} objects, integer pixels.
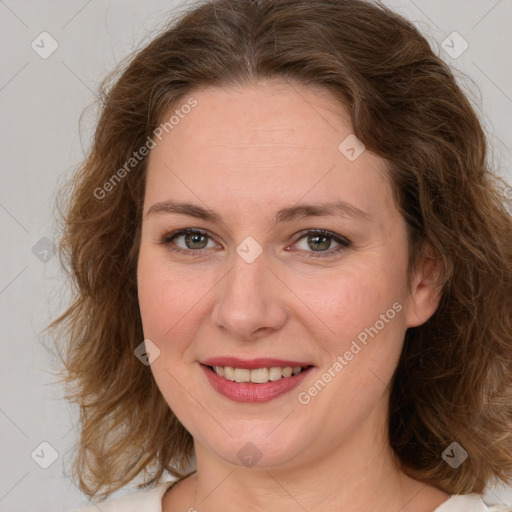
[{"x": 344, "y": 242}]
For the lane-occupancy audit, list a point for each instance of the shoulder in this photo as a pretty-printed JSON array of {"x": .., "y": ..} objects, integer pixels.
[
  {"x": 150, "y": 500},
  {"x": 469, "y": 503}
]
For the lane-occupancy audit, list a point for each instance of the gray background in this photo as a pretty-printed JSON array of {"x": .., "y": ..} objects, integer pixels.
[{"x": 41, "y": 101}]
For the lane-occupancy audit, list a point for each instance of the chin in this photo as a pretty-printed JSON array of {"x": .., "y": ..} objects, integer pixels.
[{"x": 262, "y": 450}]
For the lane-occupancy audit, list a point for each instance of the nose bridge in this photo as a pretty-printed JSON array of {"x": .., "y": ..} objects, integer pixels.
[{"x": 248, "y": 300}]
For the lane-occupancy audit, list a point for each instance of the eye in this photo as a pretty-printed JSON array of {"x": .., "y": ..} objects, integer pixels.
[
  {"x": 320, "y": 239},
  {"x": 196, "y": 240}
]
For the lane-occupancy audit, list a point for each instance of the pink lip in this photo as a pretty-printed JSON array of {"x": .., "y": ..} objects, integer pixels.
[
  {"x": 265, "y": 362},
  {"x": 253, "y": 392}
]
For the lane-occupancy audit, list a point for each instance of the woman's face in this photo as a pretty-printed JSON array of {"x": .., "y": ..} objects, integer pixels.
[{"x": 256, "y": 285}]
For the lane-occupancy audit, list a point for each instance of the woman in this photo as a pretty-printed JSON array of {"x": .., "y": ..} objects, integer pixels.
[{"x": 293, "y": 272}]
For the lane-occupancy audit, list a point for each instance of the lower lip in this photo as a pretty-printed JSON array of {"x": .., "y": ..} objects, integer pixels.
[{"x": 253, "y": 392}]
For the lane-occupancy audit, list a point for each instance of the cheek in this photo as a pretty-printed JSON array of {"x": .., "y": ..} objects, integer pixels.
[
  {"x": 363, "y": 345},
  {"x": 167, "y": 309},
  {"x": 161, "y": 299},
  {"x": 343, "y": 302},
  {"x": 150, "y": 290},
  {"x": 171, "y": 299},
  {"x": 364, "y": 313}
]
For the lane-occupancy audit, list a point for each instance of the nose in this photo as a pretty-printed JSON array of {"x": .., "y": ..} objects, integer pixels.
[{"x": 250, "y": 302}]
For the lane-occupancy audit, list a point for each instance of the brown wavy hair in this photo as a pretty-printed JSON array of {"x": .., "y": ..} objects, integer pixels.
[{"x": 453, "y": 379}]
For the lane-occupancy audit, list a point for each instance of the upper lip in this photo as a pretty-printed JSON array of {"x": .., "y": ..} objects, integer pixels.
[{"x": 262, "y": 362}]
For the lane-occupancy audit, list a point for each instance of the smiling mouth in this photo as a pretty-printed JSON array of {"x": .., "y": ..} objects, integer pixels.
[{"x": 257, "y": 375}]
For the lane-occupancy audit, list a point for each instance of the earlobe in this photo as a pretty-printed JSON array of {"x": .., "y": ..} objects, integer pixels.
[{"x": 425, "y": 293}]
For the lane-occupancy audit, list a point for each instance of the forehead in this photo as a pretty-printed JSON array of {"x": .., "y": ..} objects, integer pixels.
[
  {"x": 241, "y": 147},
  {"x": 272, "y": 114}
]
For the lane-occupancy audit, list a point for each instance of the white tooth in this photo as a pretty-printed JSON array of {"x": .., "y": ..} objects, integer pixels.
[
  {"x": 275, "y": 373},
  {"x": 242, "y": 375},
  {"x": 259, "y": 375},
  {"x": 229, "y": 373},
  {"x": 287, "y": 371}
]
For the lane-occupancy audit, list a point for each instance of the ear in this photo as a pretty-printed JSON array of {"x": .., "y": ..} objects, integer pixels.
[{"x": 424, "y": 295}]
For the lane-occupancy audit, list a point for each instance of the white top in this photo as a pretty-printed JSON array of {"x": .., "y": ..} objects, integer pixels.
[{"x": 151, "y": 501}]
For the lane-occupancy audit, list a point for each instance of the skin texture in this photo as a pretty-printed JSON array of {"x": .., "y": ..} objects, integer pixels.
[{"x": 246, "y": 152}]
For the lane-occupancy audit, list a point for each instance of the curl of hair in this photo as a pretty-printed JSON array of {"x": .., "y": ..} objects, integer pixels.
[{"x": 453, "y": 379}]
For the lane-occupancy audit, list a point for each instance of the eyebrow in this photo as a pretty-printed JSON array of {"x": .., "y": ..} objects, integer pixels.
[{"x": 334, "y": 208}]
